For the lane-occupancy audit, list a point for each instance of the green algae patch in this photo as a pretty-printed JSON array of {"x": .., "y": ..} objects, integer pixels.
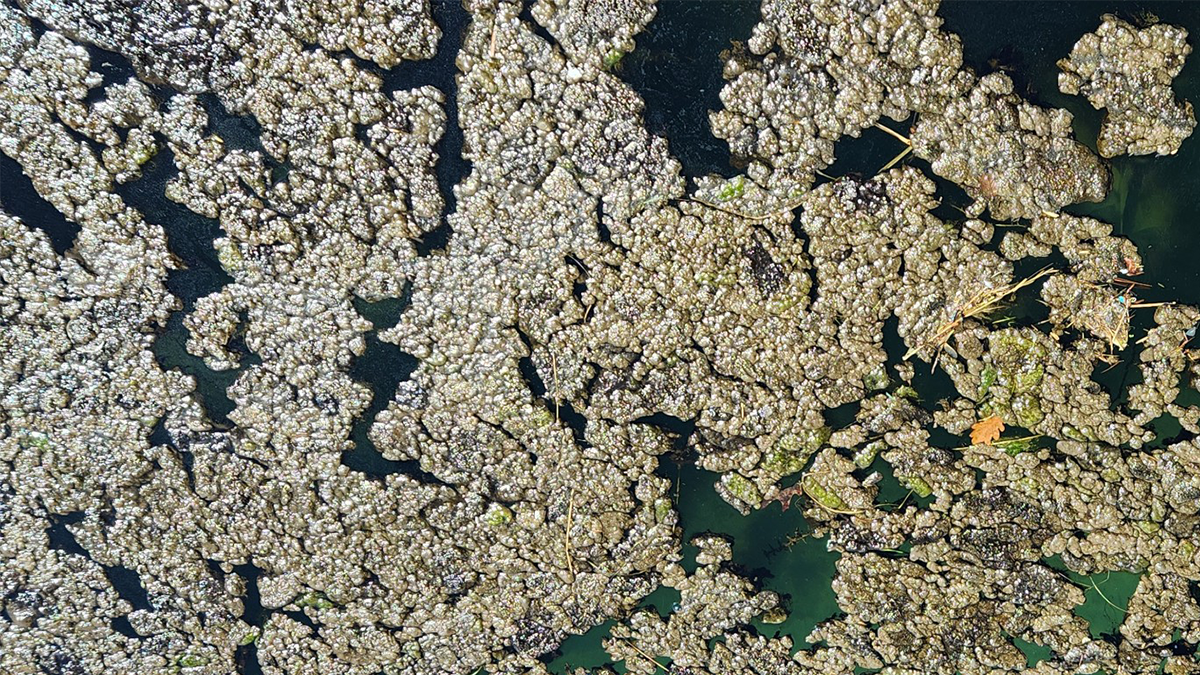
[
  {"x": 1027, "y": 410},
  {"x": 793, "y": 450},
  {"x": 739, "y": 486},
  {"x": 918, "y": 485},
  {"x": 1015, "y": 446},
  {"x": 733, "y": 189},
  {"x": 1019, "y": 360},
  {"x": 865, "y": 457},
  {"x": 34, "y": 439},
  {"x": 986, "y": 379},
  {"x": 1009, "y": 385},
  {"x": 822, "y": 495},
  {"x": 612, "y": 59},
  {"x": 783, "y": 462},
  {"x": 315, "y": 599},
  {"x": 191, "y": 661},
  {"x": 498, "y": 516},
  {"x": 877, "y": 380},
  {"x": 662, "y": 510}
]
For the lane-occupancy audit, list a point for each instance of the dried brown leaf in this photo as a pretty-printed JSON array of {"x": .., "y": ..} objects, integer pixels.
[{"x": 987, "y": 430}]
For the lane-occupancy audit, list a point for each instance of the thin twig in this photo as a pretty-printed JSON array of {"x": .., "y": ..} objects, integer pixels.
[
  {"x": 554, "y": 372},
  {"x": 980, "y": 303},
  {"x": 1092, "y": 582},
  {"x": 644, "y": 655},
  {"x": 998, "y": 441},
  {"x": 492, "y": 44},
  {"x": 1103, "y": 596},
  {"x": 897, "y": 158},
  {"x": 795, "y": 538},
  {"x": 1150, "y": 304},
  {"x": 891, "y": 132},
  {"x": 570, "y": 522}
]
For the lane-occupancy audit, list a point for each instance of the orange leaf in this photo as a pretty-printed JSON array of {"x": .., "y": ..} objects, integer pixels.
[{"x": 987, "y": 430}]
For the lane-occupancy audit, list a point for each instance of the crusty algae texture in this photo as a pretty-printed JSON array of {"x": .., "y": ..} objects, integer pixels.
[
  {"x": 507, "y": 494},
  {"x": 1128, "y": 71}
]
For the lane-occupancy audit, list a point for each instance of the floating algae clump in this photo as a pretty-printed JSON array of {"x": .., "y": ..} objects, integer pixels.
[
  {"x": 1127, "y": 71},
  {"x": 580, "y": 314},
  {"x": 1013, "y": 157},
  {"x": 817, "y": 71}
]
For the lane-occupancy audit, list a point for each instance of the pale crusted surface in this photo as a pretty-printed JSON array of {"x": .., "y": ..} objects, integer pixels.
[
  {"x": 712, "y": 600},
  {"x": 1013, "y": 157},
  {"x": 210, "y": 46},
  {"x": 522, "y": 536},
  {"x": 1127, "y": 71},
  {"x": 819, "y": 70},
  {"x": 583, "y": 292},
  {"x": 594, "y": 31}
]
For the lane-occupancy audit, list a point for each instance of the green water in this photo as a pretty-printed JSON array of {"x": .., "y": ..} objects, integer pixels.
[
  {"x": 770, "y": 546},
  {"x": 1153, "y": 201}
]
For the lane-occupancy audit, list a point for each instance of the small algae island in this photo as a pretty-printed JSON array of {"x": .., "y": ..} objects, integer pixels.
[{"x": 559, "y": 337}]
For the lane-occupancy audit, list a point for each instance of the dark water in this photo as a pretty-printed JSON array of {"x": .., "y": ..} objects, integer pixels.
[
  {"x": 125, "y": 581},
  {"x": 382, "y": 367},
  {"x": 190, "y": 239},
  {"x": 246, "y": 655},
  {"x": 770, "y": 546},
  {"x": 189, "y": 236},
  {"x": 440, "y": 72},
  {"x": 19, "y": 199},
  {"x": 1155, "y": 201},
  {"x": 676, "y": 68}
]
